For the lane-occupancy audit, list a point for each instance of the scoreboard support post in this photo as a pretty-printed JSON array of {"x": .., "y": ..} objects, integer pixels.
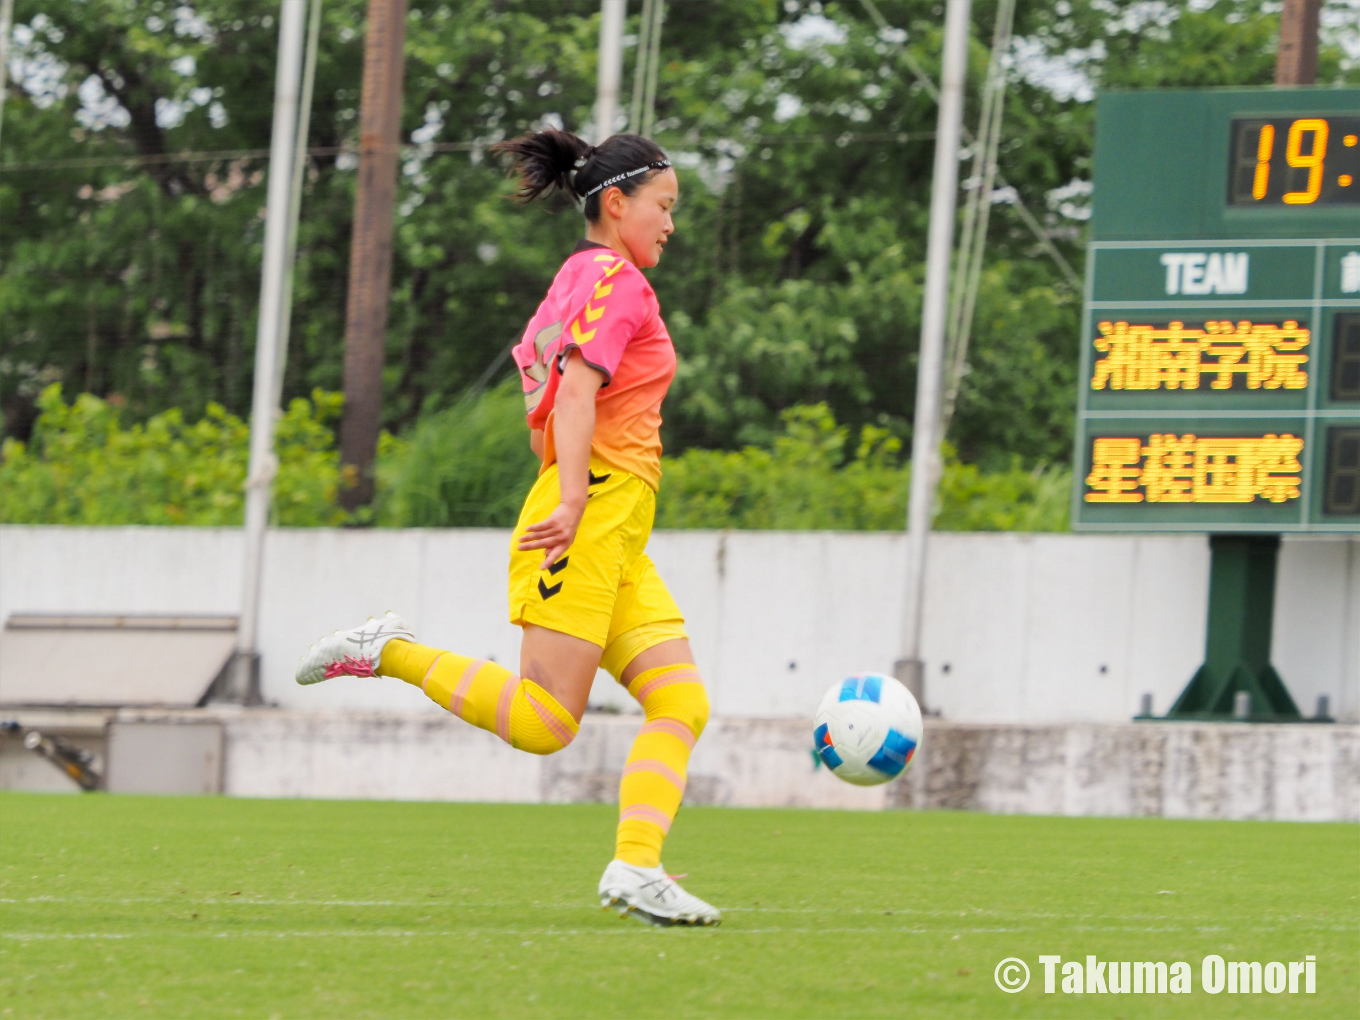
[
  {"x": 1220, "y": 367},
  {"x": 1238, "y": 635}
]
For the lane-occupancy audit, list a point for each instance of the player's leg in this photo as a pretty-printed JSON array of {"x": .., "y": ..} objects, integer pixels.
[
  {"x": 650, "y": 655},
  {"x": 666, "y": 683},
  {"x": 565, "y": 665},
  {"x": 565, "y": 611},
  {"x": 518, "y": 709},
  {"x": 537, "y": 711}
]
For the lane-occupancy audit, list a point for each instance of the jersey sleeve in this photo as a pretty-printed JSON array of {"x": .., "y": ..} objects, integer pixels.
[{"x": 614, "y": 311}]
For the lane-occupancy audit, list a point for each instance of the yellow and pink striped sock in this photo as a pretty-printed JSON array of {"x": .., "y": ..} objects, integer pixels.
[
  {"x": 485, "y": 694},
  {"x": 676, "y": 705}
]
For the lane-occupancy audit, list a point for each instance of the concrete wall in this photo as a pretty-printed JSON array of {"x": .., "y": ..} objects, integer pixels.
[
  {"x": 1176, "y": 770},
  {"x": 1288, "y": 773},
  {"x": 1019, "y": 628}
]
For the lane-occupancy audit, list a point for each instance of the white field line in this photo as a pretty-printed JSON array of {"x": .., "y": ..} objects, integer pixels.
[
  {"x": 539, "y": 933},
  {"x": 573, "y": 932},
  {"x": 442, "y": 934},
  {"x": 434, "y": 903},
  {"x": 469, "y": 905}
]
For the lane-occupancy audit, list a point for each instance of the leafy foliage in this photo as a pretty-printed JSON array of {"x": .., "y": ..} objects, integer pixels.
[
  {"x": 804, "y": 145},
  {"x": 83, "y": 467},
  {"x": 466, "y": 466},
  {"x": 809, "y": 479},
  {"x": 133, "y": 179},
  {"x": 470, "y": 466}
]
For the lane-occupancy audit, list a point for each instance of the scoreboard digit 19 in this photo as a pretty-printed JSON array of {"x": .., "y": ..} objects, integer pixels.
[{"x": 1219, "y": 387}]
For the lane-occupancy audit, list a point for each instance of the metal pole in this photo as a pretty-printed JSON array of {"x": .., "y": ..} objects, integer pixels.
[
  {"x": 974, "y": 241},
  {"x": 1016, "y": 203},
  {"x": 653, "y": 66},
  {"x": 6, "y": 19},
  {"x": 644, "y": 47},
  {"x": 244, "y": 681},
  {"x": 295, "y": 199},
  {"x": 612, "y": 13},
  {"x": 925, "y": 439}
]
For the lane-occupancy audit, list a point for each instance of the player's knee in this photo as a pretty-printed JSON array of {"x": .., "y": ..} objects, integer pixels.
[
  {"x": 673, "y": 692},
  {"x": 542, "y": 741},
  {"x": 702, "y": 709},
  {"x": 691, "y": 706},
  {"x": 537, "y": 722}
]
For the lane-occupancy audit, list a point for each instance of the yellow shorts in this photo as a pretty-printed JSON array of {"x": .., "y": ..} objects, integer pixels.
[{"x": 606, "y": 590}]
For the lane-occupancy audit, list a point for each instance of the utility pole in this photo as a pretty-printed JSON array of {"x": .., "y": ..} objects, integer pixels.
[
  {"x": 243, "y": 681},
  {"x": 1296, "y": 59},
  {"x": 612, "y": 13},
  {"x": 370, "y": 260},
  {"x": 910, "y": 668}
]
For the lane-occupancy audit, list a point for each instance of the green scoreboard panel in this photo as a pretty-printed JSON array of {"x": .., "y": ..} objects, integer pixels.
[{"x": 1220, "y": 363}]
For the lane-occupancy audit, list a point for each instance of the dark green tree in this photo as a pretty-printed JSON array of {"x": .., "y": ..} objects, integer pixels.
[{"x": 133, "y": 170}]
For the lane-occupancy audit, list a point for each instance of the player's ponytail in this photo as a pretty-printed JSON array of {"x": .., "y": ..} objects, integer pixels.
[
  {"x": 559, "y": 160},
  {"x": 544, "y": 161}
]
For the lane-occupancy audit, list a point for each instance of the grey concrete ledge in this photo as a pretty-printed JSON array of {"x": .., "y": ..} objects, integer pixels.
[{"x": 1174, "y": 770}]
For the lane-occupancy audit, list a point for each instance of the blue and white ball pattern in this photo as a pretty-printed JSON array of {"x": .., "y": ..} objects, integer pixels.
[{"x": 867, "y": 728}]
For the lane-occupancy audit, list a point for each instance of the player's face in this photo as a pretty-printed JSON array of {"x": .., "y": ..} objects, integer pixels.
[{"x": 646, "y": 221}]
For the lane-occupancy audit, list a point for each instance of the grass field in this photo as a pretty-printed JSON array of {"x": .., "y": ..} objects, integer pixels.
[{"x": 207, "y": 907}]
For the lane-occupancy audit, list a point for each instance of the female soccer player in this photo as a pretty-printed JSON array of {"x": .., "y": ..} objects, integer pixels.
[{"x": 596, "y": 362}]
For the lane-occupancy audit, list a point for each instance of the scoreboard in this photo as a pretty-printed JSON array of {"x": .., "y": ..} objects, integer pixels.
[{"x": 1219, "y": 387}]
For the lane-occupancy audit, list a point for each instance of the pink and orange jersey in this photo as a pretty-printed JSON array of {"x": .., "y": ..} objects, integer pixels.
[{"x": 602, "y": 305}]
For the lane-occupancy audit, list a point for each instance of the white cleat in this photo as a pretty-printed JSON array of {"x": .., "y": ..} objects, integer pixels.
[
  {"x": 651, "y": 895},
  {"x": 355, "y": 652}
]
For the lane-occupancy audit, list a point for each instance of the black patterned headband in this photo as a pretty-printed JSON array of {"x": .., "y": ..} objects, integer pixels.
[{"x": 660, "y": 164}]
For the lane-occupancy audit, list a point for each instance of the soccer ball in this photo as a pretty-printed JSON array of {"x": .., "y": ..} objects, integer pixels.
[{"x": 867, "y": 728}]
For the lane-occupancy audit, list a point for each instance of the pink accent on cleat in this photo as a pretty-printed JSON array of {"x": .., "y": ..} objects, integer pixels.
[
  {"x": 354, "y": 652},
  {"x": 350, "y": 666}
]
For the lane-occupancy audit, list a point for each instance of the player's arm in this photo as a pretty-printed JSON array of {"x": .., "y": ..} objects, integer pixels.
[
  {"x": 536, "y": 442},
  {"x": 573, "y": 430},
  {"x": 575, "y": 427}
]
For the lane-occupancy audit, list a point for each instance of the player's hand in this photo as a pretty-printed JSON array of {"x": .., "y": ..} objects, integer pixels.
[{"x": 554, "y": 534}]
